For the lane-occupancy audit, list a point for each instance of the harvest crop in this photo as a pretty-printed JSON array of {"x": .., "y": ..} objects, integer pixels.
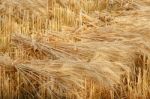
[{"x": 74, "y": 49}]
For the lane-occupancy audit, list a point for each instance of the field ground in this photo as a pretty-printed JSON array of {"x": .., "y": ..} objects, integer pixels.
[{"x": 74, "y": 49}]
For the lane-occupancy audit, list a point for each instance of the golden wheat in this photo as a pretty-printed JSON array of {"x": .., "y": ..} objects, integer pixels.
[{"x": 74, "y": 49}]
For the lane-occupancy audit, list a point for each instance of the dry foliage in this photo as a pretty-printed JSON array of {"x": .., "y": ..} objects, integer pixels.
[{"x": 74, "y": 49}]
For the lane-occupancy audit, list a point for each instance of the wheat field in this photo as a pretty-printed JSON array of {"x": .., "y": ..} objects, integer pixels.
[{"x": 74, "y": 49}]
